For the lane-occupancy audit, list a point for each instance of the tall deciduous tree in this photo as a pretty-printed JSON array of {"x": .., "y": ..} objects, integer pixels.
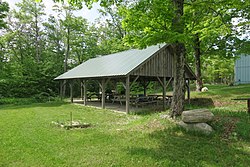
[
  {"x": 23, "y": 50},
  {"x": 178, "y": 23},
  {"x": 152, "y": 22},
  {"x": 209, "y": 23},
  {"x": 30, "y": 13},
  {"x": 4, "y": 8},
  {"x": 110, "y": 30}
]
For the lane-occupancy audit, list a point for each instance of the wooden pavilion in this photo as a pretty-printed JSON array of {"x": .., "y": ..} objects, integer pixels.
[{"x": 155, "y": 63}]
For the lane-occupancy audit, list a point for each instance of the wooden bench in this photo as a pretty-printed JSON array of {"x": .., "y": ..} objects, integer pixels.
[
  {"x": 248, "y": 102},
  {"x": 142, "y": 101},
  {"x": 118, "y": 98}
]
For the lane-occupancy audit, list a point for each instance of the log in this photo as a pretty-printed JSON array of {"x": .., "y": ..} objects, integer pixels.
[
  {"x": 197, "y": 116},
  {"x": 200, "y": 127}
]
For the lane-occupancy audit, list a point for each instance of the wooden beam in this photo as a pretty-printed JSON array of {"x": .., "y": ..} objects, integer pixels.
[
  {"x": 81, "y": 89},
  {"x": 107, "y": 81},
  {"x": 145, "y": 85},
  {"x": 127, "y": 94},
  {"x": 71, "y": 92},
  {"x": 134, "y": 81},
  {"x": 103, "y": 93},
  {"x": 188, "y": 90},
  {"x": 64, "y": 87},
  {"x": 169, "y": 82},
  {"x": 164, "y": 93},
  {"x": 62, "y": 84},
  {"x": 61, "y": 90},
  {"x": 100, "y": 84},
  {"x": 160, "y": 81},
  {"x": 85, "y": 92},
  {"x": 124, "y": 85},
  {"x": 248, "y": 106}
]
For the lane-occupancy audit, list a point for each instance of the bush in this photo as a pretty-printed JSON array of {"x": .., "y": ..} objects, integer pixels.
[
  {"x": 16, "y": 101},
  {"x": 40, "y": 98},
  {"x": 43, "y": 97}
]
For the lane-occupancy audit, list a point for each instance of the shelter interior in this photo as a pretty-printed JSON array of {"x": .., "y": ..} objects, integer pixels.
[{"x": 117, "y": 99}]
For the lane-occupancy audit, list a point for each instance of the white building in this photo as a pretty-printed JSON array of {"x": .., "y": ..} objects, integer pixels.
[{"x": 242, "y": 69}]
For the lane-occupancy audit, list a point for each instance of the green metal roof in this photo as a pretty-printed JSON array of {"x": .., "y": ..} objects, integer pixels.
[{"x": 118, "y": 64}]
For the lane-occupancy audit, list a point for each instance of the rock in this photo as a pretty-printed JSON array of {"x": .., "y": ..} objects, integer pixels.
[
  {"x": 197, "y": 116},
  {"x": 204, "y": 89},
  {"x": 201, "y": 127}
]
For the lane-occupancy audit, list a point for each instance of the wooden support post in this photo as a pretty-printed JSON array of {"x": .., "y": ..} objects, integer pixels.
[
  {"x": 134, "y": 81},
  {"x": 71, "y": 91},
  {"x": 81, "y": 89},
  {"x": 61, "y": 90},
  {"x": 127, "y": 94},
  {"x": 164, "y": 93},
  {"x": 248, "y": 106},
  {"x": 145, "y": 85},
  {"x": 62, "y": 87},
  {"x": 160, "y": 81},
  {"x": 103, "y": 93},
  {"x": 85, "y": 92},
  {"x": 169, "y": 81},
  {"x": 144, "y": 88},
  {"x": 124, "y": 85},
  {"x": 188, "y": 91}
]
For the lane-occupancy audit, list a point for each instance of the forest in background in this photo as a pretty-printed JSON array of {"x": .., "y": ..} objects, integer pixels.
[{"x": 35, "y": 49}]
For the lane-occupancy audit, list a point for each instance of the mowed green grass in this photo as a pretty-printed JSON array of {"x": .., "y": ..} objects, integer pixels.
[{"x": 28, "y": 138}]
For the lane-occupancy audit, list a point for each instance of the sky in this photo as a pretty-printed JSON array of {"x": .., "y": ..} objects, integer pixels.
[{"x": 91, "y": 15}]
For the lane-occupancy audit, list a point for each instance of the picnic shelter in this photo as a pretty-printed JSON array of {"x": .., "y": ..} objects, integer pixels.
[{"x": 154, "y": 63}]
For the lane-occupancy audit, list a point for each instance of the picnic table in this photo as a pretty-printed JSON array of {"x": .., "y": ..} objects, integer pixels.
[
  {"x": 138, "y": 101},
  {"x": 119, "y": 98},
  {"x": 160, "y": 97},
  {"x": 143, "y": 100},
  {"x": 248, "y": 102}
]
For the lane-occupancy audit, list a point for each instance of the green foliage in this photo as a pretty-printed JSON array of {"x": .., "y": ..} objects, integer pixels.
[
  {"x": 4, "y": 9},
  {"x": 217, "y": 69},
  {"x": 32, "y": 51},
  {"x": 16, "y": 101},
  {"x": 150, "y": 23}
]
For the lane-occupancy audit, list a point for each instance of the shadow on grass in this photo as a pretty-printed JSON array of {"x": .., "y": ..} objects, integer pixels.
[
  {"x": 194, "y": 103},
  {"x": 201, "y": 102},
  {"x": 149, "y": 110},
  {"x": 178, "y": 148}
]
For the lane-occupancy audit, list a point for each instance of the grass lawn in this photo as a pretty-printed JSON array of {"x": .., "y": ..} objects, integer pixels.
[{"x": 28, "y": 138}]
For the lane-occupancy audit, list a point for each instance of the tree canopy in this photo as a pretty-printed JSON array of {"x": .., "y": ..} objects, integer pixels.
[{"x": 35, "y": 47}]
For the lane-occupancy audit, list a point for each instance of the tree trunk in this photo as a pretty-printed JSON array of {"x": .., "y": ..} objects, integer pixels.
[
  {"x": 67, "y": 51},
  {"x": 37, "y": 36},
  {"x": 66, "y": 57},
  {"x": 197, "y": 56},
  {"x": 177, "y": 105}
]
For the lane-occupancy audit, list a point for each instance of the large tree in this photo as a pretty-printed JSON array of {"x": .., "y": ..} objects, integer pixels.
[
  {"x": 210, "y": 23},
  {"x": 4, "y": 9},
  {"x": 152, "y": 22},
  {"x": 110, "y": 30},
  {"x": 23, "y": 43},
  {"x": 204, "y": 25}
]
